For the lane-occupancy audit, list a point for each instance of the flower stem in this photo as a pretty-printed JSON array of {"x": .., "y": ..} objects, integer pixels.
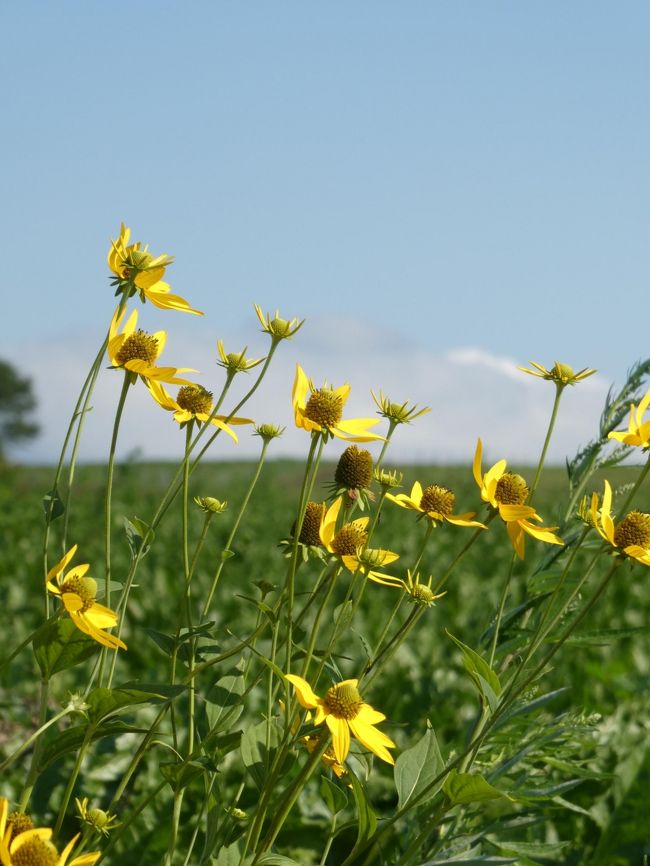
[{"x": 559, "y": 388}]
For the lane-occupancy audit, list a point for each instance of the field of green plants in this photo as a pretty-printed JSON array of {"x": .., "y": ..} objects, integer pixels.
[
  {"x": 336, "y": 661},
  {"x": 579, "y": 763}
]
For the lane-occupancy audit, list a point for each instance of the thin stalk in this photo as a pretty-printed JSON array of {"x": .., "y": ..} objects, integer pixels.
[
  {"x": 235, "y": 528},
  {"x": 445, "y": 577},
  {"x": 630, "y": 496},
  {"x": 559, "y": 388},
  {"x": 124, "y": 825},
  {"x": 502, "y": 604},
  {"x": 176, "y": 817},
  {"x": 36, "y": 754},
  {"x": 81, "y": 754},
  {"x": 18, "y": 752}
]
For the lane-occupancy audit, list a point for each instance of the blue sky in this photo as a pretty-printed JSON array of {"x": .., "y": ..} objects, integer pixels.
[{"x": 423, "y": 181}]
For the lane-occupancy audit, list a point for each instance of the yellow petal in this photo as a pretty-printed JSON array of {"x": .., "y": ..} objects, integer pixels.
[
  {"x": 340, "y": 737},
  {"x": 306, "y": 697},
  {"x": 328, "y": 524},
  {"x": 164, "y": 300},
  {"x": 516, "y": 512},
  {"x": 300, "y": 389},
  {"x": 372, "y": 739},
  {"x": 516, "y": 535},
  {"x": 61, "y": 564}
]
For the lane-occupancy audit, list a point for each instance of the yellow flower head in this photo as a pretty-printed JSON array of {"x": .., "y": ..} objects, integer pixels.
[
  {"x": 436, "y": 502},
  {"x": 561, "y": 374},
  {"x": 507, "y": 492},
  {"x": 236, "y": 362},
  {"x": 638, "y": 430},
  {"x": 77, "y": 592},
  {"x": 137, "y": 351},
  {"x": 34, "y": 846},
  {"x": 344, "y": 712},
  {"x": 631, "y": 535},
  {"x": 194, "y": 403},
  {"x": 322, "y": 411},
  {"x": 350, "y": 537},
  {"x": 398, "y": 413},
  {"x": 277, "y": 328},
  {"x": 136, "y": 270}
]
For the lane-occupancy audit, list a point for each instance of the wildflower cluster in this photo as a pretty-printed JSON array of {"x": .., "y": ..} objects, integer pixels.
[{"x": 224, "y": 696}]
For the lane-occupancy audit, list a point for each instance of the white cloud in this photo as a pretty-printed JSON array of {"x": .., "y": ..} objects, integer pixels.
[{"x": 472, "y": 393}]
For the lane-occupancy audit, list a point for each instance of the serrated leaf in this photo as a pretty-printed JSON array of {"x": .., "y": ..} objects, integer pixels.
[
  {"x": 463, "y": 788},
  {"x": 335, "y": 798},
  {"x": 59, "y": 645},
  {"x": 478, "y": 669},
  {"x": 417, "y": 767},
  {"x": 53, "y": 505},
  {"x": 139, "y": 535}
]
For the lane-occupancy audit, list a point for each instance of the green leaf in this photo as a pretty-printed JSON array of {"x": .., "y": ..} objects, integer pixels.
[
  {"x": 548, "y": 850},
  {"x": 472, "y": 861},
  {"x": 139, "y": 535},
  {"x": 230, "y": 856},
  {"x": 181, "y": 774},
  {"x": 276, "y": 860},
  {"x": 484, "y": 678},
  {"x": 255, "y": 752},
  {"x": 343, "y": 615},
  {"x": 53, "y": 505},
  {"x": 366, "y": 818},
  {"x": 223, "y": 700},
  {"x": 103, "y": 703},
  {"x": 463, "y": 788},
  {"x": 60, "y": 645},
  {"x": 417, "y": 767},
  {"x": 227, "y": 554},
  {"x": 335, "y": 798},
  {"x": 164, "y": 641},
  {"x": 70, "y": 739}
]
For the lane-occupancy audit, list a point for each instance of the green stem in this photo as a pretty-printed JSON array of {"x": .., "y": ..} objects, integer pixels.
[
  {"x": 81, "y": 754},
  {"x": 124, "y": 825},
  {"x": 233, "y": 531},
  {"x": 18, "y": 752},
  {"x": 452, "y": 565},
  {"x": 36, "y": 754},
  {"x": 559, "y": 388},
  {"x": 630, "y": 496},
  {"x": 502, "y": 604}
]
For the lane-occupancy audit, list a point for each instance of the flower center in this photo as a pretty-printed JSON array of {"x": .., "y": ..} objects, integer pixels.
[
  {"x": 324, "y": 407},
  {"x": 633, "y": 529},
  {"x": 348, "y": 539},
  {"x": 18, "y": 823},
  {"x": 195, "y": 399},
  {"x": 35, "y": 852},
  {"x": 84, "y": 587},
  {"x": 439, "y": 500},
  {"x": 310, "y": 532},
  {"x": 422, "y": 594},
  {"x": 511, "y": 489},
  {"x": 140, "y": 346},
  {"x": 354, "y": 469},
  {"x": 343, "y": 701}
]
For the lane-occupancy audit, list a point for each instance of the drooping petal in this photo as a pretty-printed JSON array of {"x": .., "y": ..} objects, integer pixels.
[
  {"x": 606, "y": 514},
  {"x": 161, "y": 297},
  {"x": 306, "y": 696},
  {"x": 476, "y": 466},
  {"x": 541, "y": 533},
  {"x": 340, "y": 737},
  {"x": 328, "y": 523},
  {"x": 101, "y": 616},
  {"x": 517, "y": 538},
  {"x": 300, "y": 389},
  {"x": 356, "y": 430},
  {"x": 374, "y": 740},
  {"x": 641, "y": 554},
  {"x": 62, "y": 563},
  {"x": 369, "y": 715},
  {"x": 72, "y": 602},
  {"x": 516, "y": 512},
  {"x": 465, "y": 520}
]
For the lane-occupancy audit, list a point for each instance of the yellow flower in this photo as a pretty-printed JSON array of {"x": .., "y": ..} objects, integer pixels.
[
  {"x": 421, "y": 593},
  {"x": 436, "y": 502},
  {"x": 311, "y": 741},
  {"x": 561, "y": 374},
  {"x": 323, "y": 411},
  {"x": 507, "y": 492},
  {"x": 350, "y": 536},
  {"x": 136, "y": 270},
  {"x": 33, "y": 846},
  {"x": 77, "y": 592},
  {"x": 631, "y": 535},
  {"x": 344, "y": 712},
  {"x": 193, "y": 403},
  {"x": 137, "y": 351},
  {"x": 638, "y": 431},
  {"x": 277, "y": 328}
]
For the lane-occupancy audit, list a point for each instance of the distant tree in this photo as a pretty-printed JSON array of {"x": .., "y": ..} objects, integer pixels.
[{"x": 17, "y": 402}]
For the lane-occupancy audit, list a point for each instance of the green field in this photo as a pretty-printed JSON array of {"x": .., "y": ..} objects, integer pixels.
[{"x": 588, "y": 747}]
